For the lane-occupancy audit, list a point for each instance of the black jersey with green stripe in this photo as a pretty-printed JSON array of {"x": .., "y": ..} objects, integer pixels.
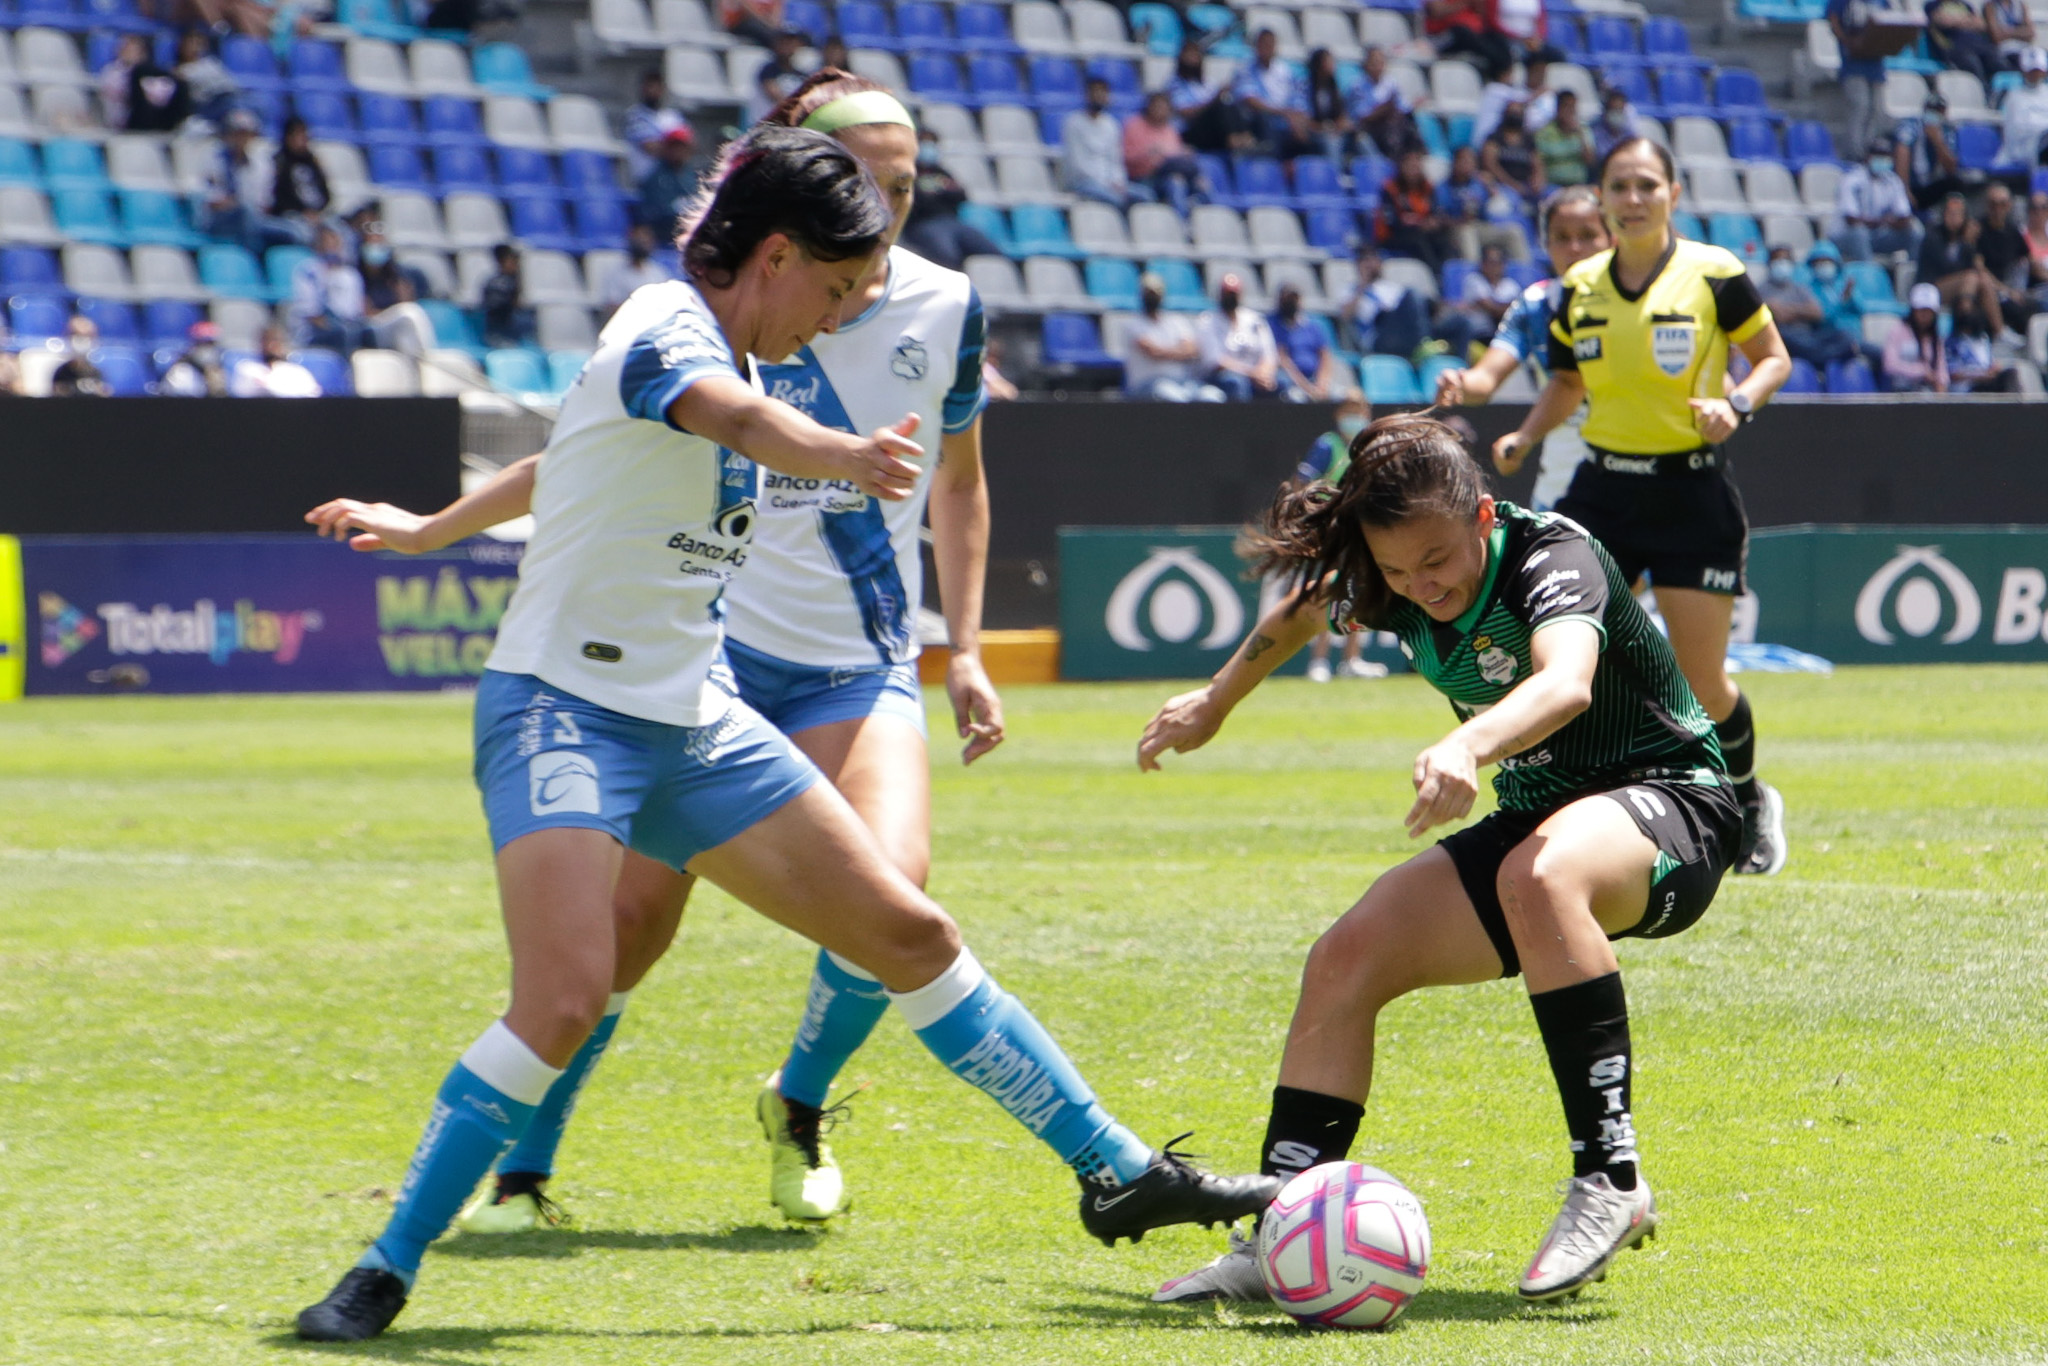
[{"x": 1644, "y": 721}]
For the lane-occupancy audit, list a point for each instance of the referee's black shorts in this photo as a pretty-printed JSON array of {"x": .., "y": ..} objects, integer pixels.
[
  {"x": 1676, "y": 518},
  {"x": 1696, "y": 830}
]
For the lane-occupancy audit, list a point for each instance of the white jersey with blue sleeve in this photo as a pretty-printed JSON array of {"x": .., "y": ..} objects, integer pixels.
[
  {"x": 638, "y": 526},
  {"x": 1524, "y": 333},
  {"x": 836, "y": 576}
]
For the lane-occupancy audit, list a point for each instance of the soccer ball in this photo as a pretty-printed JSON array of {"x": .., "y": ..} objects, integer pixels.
[{"x": 1344, "y": 1245}]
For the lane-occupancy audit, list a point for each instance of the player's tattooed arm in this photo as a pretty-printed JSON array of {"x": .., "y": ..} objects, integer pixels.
[
  {"x": 1257, "y": 646},
  {"x": 1192, "y": 719}
]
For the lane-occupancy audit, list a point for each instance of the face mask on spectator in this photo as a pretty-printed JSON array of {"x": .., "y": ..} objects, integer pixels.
[
  {"x": 376, "y": 253},
  {"x": 1879, "y": 165},
  {"x": 1781, "y": 269},
  {"x": 1349, "y": 425},
  {"x": 1290, "y": 310},
  {"x": 205, "y": 355},
  {"x": 1825, "y": 270},
  {"x": 928, "y": 155}
]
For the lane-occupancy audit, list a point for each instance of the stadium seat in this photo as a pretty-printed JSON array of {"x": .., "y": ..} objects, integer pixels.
[
  {"x": 126, "y": 372},
  {"x": 1389, "y": 379},
  {"x": 1752, "y": 139},
  {"x": 1332, "y": 230},
  {"x": 446, "y": 372},
  {"x": 327, "y": 115},
  {"x": 1332, "y": 29},
  {"x": 1098, "y": 31},
  {"x": 280, "y": 264},
  {"x": 168, "y": 322},
  {"x": 441, "y": 68},
  {"x": 396, "y": 167},
  {"x": 1316, "y": 184},
  {"x": 1303, "y": 277},
  {"x": 983, "y": 29},
  {"x": 999, "y": 283},
  {"x": 578, "y": 121},
  {"x": 383, "y": 374},
  {"x": 1698, "y": 141},
  {"x": 73, "y": 164},
  {"x": 1770, "y": 189},
  {"x": 348, "y": 175},
  {"x": 475, "y": 220},
  {"x": 1666, "y": 42},
  {"x": 454, "y": 327},
  {"x": 1714, "y": 189},
  {"x": 115, "y": 319},
  {"x": 550, "y": 277},
  {"x": 412, "y": 220},
  {"x": 1739, "y": 233},
  {"x": 936, "y": 76},
  {"x": 18, "y": 164},
  {"x": 522, "y": 171},
  {"x": 696, "y": 76},
  {"x": 1055, "y": 81},
  {"x": 502, "y": 69},
  {"x": 1611, "y": 40},
  {"x": 538, "y": 222},
  {"x": 600, "y": 223},
  {"x": 1113, "y": 282},
  {"x": 1184, "y": 293},
  {"x": 862, "y": 23},
  {"x": 1012, "y": 130},
  {"x": 1053, "y": 282},
  {"x": 1402, "y": 270},
  {"x": 1681, "y": 91},
  {"x": 1073, "y": 340},
  {"x": 1126, "y": 90},
  {"x": 25, "y": 217},
  {"x": 1808, "y": 142},
  {"x": 241, "y": 323},
  {"x": 1099, "y": 230},
  {"x": 1025, "y": 180},
  {"x": 564, "y": 366},
  {"x": 1041, "y": 230},
  {"x": 1789, "y": 230},
  {"x": 375, "y": 19},
  {"x": 924, "y": 27},
  {"x": 378, "y": 65},
  {"x": 230, "y": 272},
  {"x": 519, "y": 373},
  {"x": 564, "y": 327},
  {"x": 1851, "y": 377},
  {"x": 1218, "y": 231},
  {"x": 153, "y": 216},
  {"x": 37, "y": 317},
  {"x": 1276, "y": 235},
  {"x": 991, "y": 79},
  {"x": 1873, "y": 284},
  {"x": 316, "y": 66},
  {"x": 53, "y": 14},
  {"x": 586, "y": 172},
  {"x": 1804, "y": 379},
  {"x": 881, "y": 67},
  {"x": 1040, "y": 27},
  {"x": 29, "y": 270},
  {"x": 1220, "y": 31},
  {"x": 86, "y": 216},
  {"x": 514, "y": 121},
  {"x": 1737, "y": 89},
  {"x": 1977, "y": 145},
  {"x": 165, "y": 273}
]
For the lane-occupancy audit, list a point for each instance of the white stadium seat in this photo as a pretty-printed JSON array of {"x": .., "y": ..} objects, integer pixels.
[
  {"x": 577, "y": 123},
  {"x": 384, "y": 374},
  {"x": 597, "y": 266},
  {"x": 1281, "y": 22},
  {"x": 1054, "y": 285},
  {"x": 1303, "y": 277},
  {"x": 48, "y": 57},
  {"x": 473, "y": 266},
  {"x": 623, "y": 23},
  {"x": 96, "y": 272},
  {"x": 1454, "y": 88},
  {"x": 996, "y": 280},
  {"x": 447, "y": 373},
  {"x": 696, "y": 76},
  {"x": 1698, "y": 142},
  {"x": 65, "y": 109},
  {"x": 1792, "y": 230},
  {"x": 377, "y": 65},
  {"x": 1411, "y": 80},
  {"x": 687, "y": 21},
  {"x": 1156, "y": 230},
  {"x": 1401, "y": 270},
  {"x": 1011, "y": 130},
  {"x": 442, "y": 68},
  {"x": 412, "y": 220},
  {"x": 14, "y": 119},
  {"x": 550, "y": 277},
  {"x": 1218, "y": 232},
  {"x": 1905, "y": 96},
  {"x": 348, "y": 177},
  {"x": 1040, "y": 27},
  {"x": 475, "y": 220},
  {"x": 1099, "y": 230},
  {"x": 1277, "y": 236},
  {"x": 163, "y": 272},
  {"x": 1252, "y": 295},
  {"x": 564, "y": 327},
  {"x": 1025, "y": 180},
  {"x": 25, "y": 218},
  {"x": 137, "y": 161},
  {"x": 974, "y": 176},
  {"x": 880, "y": 67},
  {"x": 432, "y": 266},
  {"x": 743, "y": 65},
  {"x": 1099, "y": 30},
  {"x": 1713, "y": 189},
  {"x": 1332, "y": 29},
  {"x": 1770, "y": 189},
  {"x": 516, "y": 121},
  {"x": 953, "y": 125},
  {"x": 241, "y": 323},
  {"x": 1384, "y": 28},
  {"x": 1819, "y": 185}
]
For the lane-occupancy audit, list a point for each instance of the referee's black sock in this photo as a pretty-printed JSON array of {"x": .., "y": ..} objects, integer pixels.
[
  {"x": 1307, "y": 1129},
  {"x": 1585, "y": 1031},
  {"x": 1738, "y": 746}
]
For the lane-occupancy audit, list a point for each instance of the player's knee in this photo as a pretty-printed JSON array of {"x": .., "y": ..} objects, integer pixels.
[
  {"x": 1536, "y": 879},
  {"x": 1356, "y": 960},
  {"x": 643, "y": 924},
  {"x": 912, "y": 945}
]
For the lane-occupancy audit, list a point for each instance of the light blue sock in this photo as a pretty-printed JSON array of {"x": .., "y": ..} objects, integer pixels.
[
  {"x": 482, "y": 1107},
  {"x": 844, "y": 1007},
  {"x": 989, "y": 1040},
  {"x": 535, "y": 1150}
]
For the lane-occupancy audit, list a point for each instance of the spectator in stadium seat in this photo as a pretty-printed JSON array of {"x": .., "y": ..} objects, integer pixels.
[
  {"x": 391, "y": 298},
  {"x": 1972, "y": 368},
  {"x": 668, "y": 189},
  {"x": 1455, "y": 26},
  {"x": 1092, "y": 152},
  {"x": 639, "y": 268},
  {"x": 1379, "y": 109},
  {"x": 1841, "y": 304},
  {"x": 935, "y": 231},
  {"x": 778, "y": 76},
  {"x": 1487, "y": 292},
  {"x": 1156, "y": 157},
  {"x": 78, "y": 377},
  {"x": 1533, "y": 93},
  {"x": 198, "y": 373},
  {"x": 163, "y": 104},
  {"x": 1382, "y": 316},
  {"x": 647, "y": 123},
  {"x": 1165, "y": 355},
  {"x": 2010, "y": 25},
  {"x": 1211, "y": 119},
  {"x": 1802, "y": 322},
  {"x": 1958, "y": 38},
  {"x": 1509, "y": 164},
  {"x": 508, "y": 321},
  {"x": 1563, "y": 145},
  {"x": 213, "y": 87},
  {"x": 1238, "y": 353},
  {"x": 1271, "y": 93},
  {"x": 1617, "y": 121},
  {"x": 1924, "y": 153},
  {"x": 327, "y": 302},
  {"x": 1408, "y": 222},
  {"x": 1873, "y": 213},
  {"x": 238, "y": 190},
  {"x": 1462, "y": 200},
  {"x": 1913, "y": 357},
  {"x": 2026, "y": 111},
  {"x": 1330, "y": 126},
  {"x": 834, "y": 53},
  {"x": 2002, "y": 246},
  {"x": 1308, "y": 368},
  {"x": 273, "y": 374},
  {"x": 1950, "y": 261},
  {"x": 298, "y": 187},
  {"x": 1862, "y": 73}
]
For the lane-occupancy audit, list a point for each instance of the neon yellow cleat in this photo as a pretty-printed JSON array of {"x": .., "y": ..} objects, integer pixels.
[
  {"x": 512, "y": 1203},
  {"x": 805, "y": 1185}
]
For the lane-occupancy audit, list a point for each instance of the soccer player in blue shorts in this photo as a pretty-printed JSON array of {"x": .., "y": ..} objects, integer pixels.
[{"x": 602, "y": 722}]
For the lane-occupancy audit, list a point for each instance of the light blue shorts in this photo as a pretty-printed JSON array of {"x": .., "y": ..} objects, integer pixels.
[
  {"x": 796, "y": 697},
  {"x": 547, "y": 759}
]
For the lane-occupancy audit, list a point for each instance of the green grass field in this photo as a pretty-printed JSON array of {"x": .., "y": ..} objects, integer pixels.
[{"x": 242, "y": 939}]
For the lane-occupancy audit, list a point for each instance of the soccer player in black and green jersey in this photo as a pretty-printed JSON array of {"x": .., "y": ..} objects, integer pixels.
[{"x": 1616, "y": 815}]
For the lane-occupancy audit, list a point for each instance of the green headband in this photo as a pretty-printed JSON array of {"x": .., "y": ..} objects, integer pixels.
[{"x": 864, "y": 106}]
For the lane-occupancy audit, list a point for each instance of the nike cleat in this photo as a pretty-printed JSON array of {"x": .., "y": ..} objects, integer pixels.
[
  {"x": 360, "y": 1306},
  {"x": 1233, "y": 1276},
  {"x": 1596, "y": 1225},
  {"x": 1171, "y": 1191},
  {"x": 805, "y": 1183},
  {"x": 1763, "y": 834},
  {"x": 513, "y": 1203}
]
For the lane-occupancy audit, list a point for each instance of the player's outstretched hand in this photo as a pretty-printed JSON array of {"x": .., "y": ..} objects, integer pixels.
[
  {"x": 1446, "y": 783},
  {"x": 1450, "y": 389},
  {"x": 881, "y": 464},
  {"x": 1509, "y": 452},
  {"x": 372, "y": 526},
  {"x": 1713, "y": 419},
  {"x": 1185, "y": 723},
  {"x": 977, "y": 710}
]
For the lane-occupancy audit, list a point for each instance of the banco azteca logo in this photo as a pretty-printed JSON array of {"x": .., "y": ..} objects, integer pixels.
[
  {"x": 1168, "y": 597},
  {"x": 1915, "y": 592},
  {"x": 66, "y": 630}
]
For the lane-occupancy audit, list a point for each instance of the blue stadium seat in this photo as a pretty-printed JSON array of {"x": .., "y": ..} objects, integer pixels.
[
  {"x": 809, "y": 18},
  {"x": 448, "y": 119},
  {"x": 329, "y": 369},
  {"x": 375, "y": 19},
  {"x": 1157, "y": 26},
  {"x": 502, "y": 69},
  {"x": 118, "y": 14},
  {"x": 924, "y": 27},
  {"x": 540, "y": 222},
  {"x": 600, "y": 224},
  {"x": 1261, "y": 182},
  {"x": 1634, "y": 82},
  {"x": 30, "y": 270},
  {"x": 386, "y": 119},
  {"x": 862, "y": 23},
  {"x": 251, "y": 62},
  {"x": 1455, "y": 272},
  {"x": 101, "y": 47},
  {"x": 1334, "y": 230},
  {"x": 168, "y": 322},
  {"x": 1368, "y": 173},
  {"x": 1389, "y": 379},
  {"x": 1737, "y": 89},
  {"x": 1851, "y": 377},
  {"x": 1739, "y": 233},
  {"x": 114, "y": 319},
  {"x": 564, "y": 367},
  {"x": 18, "y": 164},
  {"x": 232, "y": 273},
  {"x": 1977, "y": 145},
  {"x": 517, "y": 371},
  {"x": 1682, "y": 91},
  {"x": 327, "y": 115},
  {"x": 154, "y": 218},
  {"x": 1752, "y": 139},
  {"x": 1873, "y": 283},
  {"x": 992, "y": 80},
  {"x": 1041, "y": 230},
  {"x": 990, "y": 220},
  {"x": 37, "y": 317},
  {"x": 72, "y": 164},
  {"x": 317, "y": 66},
  {"x": 1804, "y": 379},
  {"x": 1056, "y": 83},
  {"x": 269, "y": 107},
  {"x": 125, "y": 369},
  {"x": 397, "y": 167},
  {"x": 280, "y": 264},
  {"x": 1688, "y": 225},
  {"x": 1073, "y": 339},
  {"x": 984, "y": 29},
  {"x": 86, "y": 216},
  {"x": 1807, "y": 142},
  {"x": 1222, "y": 180},
  {"x": 525, "y": 171},
  {"x": 1316, "y": 185},
  {"x": 1526, "y": 273},
  {"x": 1126, "y": 91},
  {"x": 590, "y": 173},
  {"x": 454, "y": 327},
  {"x": 1611, "y": 40},
  {"x": 456, "y": 167},
  {"x": 1665, "y": 42},
  {"x": 936, "y": 76},
  {"x": 1436, "y": 139},
  {"x": 1220, "y": 29},
  {"x": 1434, "y": 366},
  {"x": 1113, "y": 281},
  {"x": 1567, "y": 37},
  {"x": 1051, "y": 123},
  {"x": 64, "y": 14},
  {"x": 1184, "y": 292}
]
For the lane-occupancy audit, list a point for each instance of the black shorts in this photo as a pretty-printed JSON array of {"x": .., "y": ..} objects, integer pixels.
[
  {"x": 1696, "y": 831},
  {"x": 1684, "y": 527}
]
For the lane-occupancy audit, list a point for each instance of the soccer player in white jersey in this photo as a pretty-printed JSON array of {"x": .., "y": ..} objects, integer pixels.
[
  {"x": 1573, "y": 229},
  {"x": 603, "y": 721},
  {"x": 819, "y": 633}
]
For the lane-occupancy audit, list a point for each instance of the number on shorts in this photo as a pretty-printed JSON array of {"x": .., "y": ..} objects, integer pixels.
[{"x": 1647, "y": 802}]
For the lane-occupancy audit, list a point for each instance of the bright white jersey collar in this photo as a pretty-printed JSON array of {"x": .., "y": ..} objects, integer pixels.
[{"x": 835, "y": 577}]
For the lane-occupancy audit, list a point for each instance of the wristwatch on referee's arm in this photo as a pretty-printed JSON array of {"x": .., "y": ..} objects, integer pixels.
[{"x": 1743, "y": 406}]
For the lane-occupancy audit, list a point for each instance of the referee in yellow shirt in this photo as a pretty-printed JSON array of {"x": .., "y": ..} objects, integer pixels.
[{"x": 1642, "y": 332}]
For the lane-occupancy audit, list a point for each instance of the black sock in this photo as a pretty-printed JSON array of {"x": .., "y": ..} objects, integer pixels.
[
  {"x": 1737, "y": 735},
  {"x": 1585, "y": 1031},
  {"x": 1307, "y": 1129}
]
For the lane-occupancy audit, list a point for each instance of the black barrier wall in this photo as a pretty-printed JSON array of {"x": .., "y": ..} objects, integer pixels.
[
  {"x": 1982, "y": 462},
  {"x": 118, "y": 466}
]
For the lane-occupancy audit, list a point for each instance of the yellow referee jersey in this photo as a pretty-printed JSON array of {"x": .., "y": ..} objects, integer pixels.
[{"x": 1643, "y": 355}]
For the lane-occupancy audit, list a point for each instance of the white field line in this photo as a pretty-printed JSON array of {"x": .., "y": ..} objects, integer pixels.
[{"x": 114, "y": 858}]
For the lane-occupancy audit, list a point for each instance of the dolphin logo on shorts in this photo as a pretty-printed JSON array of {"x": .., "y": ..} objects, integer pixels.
[{"x": 559, "y": 780}]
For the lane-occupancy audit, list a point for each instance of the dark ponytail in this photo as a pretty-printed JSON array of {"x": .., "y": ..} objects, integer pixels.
[
  {"x": 788, "y": 180},
  {"x": 1313, "y": 536}
]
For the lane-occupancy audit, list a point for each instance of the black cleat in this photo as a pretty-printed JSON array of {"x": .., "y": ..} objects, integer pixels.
[
  {"x": 1172, "y": 1191},
  {"x": 361, "y": 1306},
  {"x": 1762, "y": 851}
]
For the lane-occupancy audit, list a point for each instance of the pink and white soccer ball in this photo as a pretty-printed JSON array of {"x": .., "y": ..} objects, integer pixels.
[{"x": 1344, "y": 1245}]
